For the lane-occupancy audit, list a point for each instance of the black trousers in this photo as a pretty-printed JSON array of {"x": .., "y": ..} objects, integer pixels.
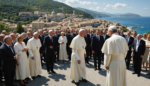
[
  {"x": 102, "y": 55},
  {"x": 87, "y": 54},
  {"x": 50, "y": 62},
  {"x": 1, "y": 75},
  {"x": 90, "y": 51},
  {"x": 97, "y": 55},
  {"x": 57, "y": 53},
  {"x": 137, "y": 63},
  {"x": 128, "y": 59},
  {"x": 69, "y": 53},
  {"x": 9, "y": 76}
]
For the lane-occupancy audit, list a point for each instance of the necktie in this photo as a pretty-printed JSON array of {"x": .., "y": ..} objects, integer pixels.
[{"x": 11, "y": 49}]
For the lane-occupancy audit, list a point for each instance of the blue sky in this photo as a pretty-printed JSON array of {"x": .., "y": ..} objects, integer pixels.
[{"x": 141, "y": 7}]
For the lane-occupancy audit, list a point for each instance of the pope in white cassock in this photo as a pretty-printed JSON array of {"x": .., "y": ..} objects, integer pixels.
[
  {"x": 33, "y": 46},
  {"x": 115, "y": 49},
  {"x": 78, "y": 67}
]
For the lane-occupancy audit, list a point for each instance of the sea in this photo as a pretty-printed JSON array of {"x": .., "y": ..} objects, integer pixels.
[{"x": 144, "y": 22}]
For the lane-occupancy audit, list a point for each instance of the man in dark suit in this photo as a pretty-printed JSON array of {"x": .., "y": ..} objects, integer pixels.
[
  {"x": 97, "y": 44},
  {"x": 9, "y": 60},
  {"x": 70, "y": 37},
  {"x": 91, "y": 38},
  {"x": 130, "y": 41},
  {"x": 25, "y": 40},
  {"x": 41, "y": 48},
  {"x": 13, "y": 37},
  {"x": 50, "y": 50},
  {"x": 43, "y": 36},
  {"x": 87, "y": 48},
  {"x": 121, "y": 33},
  {"x": 139, "y": 50},
  {"x": 1, "y": 69},
  {"x": 57, "y": 35},
  {"x": 105, "y": 37},
  {"x": 118, "y": 31}
]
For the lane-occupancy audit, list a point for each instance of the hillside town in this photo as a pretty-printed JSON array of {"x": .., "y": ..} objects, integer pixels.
[{"x": 62, "y": 21}]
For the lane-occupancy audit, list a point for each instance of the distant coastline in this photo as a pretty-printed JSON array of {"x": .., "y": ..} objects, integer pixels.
[{"x": 140, "y": 24}]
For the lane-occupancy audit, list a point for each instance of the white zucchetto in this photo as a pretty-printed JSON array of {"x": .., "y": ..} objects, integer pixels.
[
  {"x": 35, "y": 33},
  {"x": 81, "y": 30}
]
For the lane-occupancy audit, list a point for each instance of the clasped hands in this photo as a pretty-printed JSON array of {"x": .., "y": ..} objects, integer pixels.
[{"x": 25, "y": 49}]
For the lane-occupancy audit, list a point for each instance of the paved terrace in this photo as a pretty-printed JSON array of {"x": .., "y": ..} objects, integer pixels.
[{"x": 95, "y": 78}]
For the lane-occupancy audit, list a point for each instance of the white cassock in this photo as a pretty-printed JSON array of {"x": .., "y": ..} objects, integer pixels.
[
  {"x": 22, "y": 71},
  {"x": 33, "y": 46},
  {"x": 62, "y": 48},
  {"x": 78, "y": 71},
  {"x": 115, "y": 50}
]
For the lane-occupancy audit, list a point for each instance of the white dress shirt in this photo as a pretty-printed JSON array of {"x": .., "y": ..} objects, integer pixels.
[{"x": 137, "y": 45}]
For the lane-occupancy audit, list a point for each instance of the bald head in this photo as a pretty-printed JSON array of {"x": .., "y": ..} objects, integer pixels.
[{"x": 139, "y": 36}]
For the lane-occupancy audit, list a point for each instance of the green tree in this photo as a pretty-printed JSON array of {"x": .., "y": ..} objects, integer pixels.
[
  {"x": 124, "y": 29},
  {"x": 4, "y": 27},
  {"x": 19, "y": 28},
  {"x": 148, "y": 32}
]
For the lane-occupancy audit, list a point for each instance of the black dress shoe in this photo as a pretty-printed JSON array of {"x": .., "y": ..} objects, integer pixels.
[
  {"x": 1, "y": 81},
  {"x": 33, "y": 77},
  {"x": 77, "y": 83},
  {"x": 134, "y": 73},
  {"x": 14, "y": 85},
  {"x": 84, "y": 80},
  {"x": 87, "y": 63},
  {"x": 95, "y": 69},
  {"x": 53, "y": 71},
  {"x": 39, "y": 76},
  {"x": 99, "y": 69},
  {"x": 138, "y": 75}
]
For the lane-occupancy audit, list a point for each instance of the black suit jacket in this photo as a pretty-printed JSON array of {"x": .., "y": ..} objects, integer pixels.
[
  {"x": 69, "y": 38},
  {"x": 25, "y": 40},
  {"x": 7, "y": 55},
  {"x": 106, "y": 38},
  {"x": 96, "y": 44},
  {"x": 141, "y": 48},
  {"x": 88, "y": 41},
  {"x": 41, "y": 40},
  {"x": 12, "y": 45},
  {"x": 57, "y": 37},
  {"x": 122, "y": 35},
  {"x": 47, "y": 43}
]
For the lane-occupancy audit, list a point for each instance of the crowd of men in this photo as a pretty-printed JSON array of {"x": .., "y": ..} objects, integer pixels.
[{"x": 48, "y": 50}]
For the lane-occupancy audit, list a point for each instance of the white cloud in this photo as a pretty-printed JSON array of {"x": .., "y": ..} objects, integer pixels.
[
  {"x": 103, "y": 3},
  {"x": 98, "y": 9},
  {"x": 59, "y": 0},
  {"x": 146, "y": 8},
  {"x": 117, "y": 5},
  {"x": 78, "y": 2},
  {"x": 95, "y": 3},
  {"x": 104, "y": 8},
  {"x": 85, "y": 3}
]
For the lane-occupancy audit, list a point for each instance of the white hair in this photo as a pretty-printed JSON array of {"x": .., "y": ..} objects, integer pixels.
[
  {"x": 50, "y": 31},
  {"x": 113, "y": 29}
]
